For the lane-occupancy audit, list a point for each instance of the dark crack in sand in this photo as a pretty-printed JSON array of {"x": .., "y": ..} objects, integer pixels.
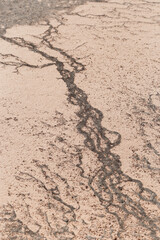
[{"x": 119, "y": 195}]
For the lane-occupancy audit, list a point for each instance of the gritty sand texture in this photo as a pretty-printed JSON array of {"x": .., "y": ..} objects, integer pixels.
[{"x": 80, "y": 125}]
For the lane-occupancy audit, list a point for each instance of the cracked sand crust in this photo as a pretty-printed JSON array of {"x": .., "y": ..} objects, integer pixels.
[{"x": 80, "y": 117}]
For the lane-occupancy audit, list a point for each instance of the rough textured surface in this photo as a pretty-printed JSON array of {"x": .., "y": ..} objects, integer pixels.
[
  {"x": 32, "y": 11},
  {"x": 80, "y": 118}
]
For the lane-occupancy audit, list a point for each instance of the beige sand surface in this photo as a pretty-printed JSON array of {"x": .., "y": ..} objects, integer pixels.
[{"x": 80, "y": 125}]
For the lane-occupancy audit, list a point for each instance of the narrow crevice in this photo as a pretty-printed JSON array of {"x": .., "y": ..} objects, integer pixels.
[{"x": 107, "y": 183}]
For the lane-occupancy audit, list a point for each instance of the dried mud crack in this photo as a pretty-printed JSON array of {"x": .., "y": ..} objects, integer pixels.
[{"x": 108, "y": 183}]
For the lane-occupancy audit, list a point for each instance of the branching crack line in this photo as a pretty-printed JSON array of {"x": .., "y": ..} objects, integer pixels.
[
  {"x": 18, "y": 63},
  {"x": 107, "y": 182}
]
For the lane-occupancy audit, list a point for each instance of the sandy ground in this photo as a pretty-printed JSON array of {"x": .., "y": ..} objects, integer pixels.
[{"x": 80, "y": 125}]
